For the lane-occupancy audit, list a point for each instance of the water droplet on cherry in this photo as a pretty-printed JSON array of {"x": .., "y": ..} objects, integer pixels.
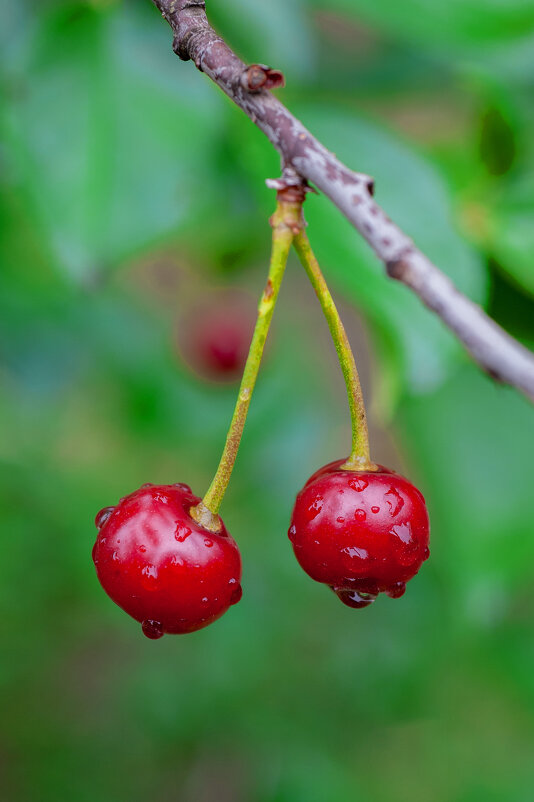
[
  {"x": 152, "y": 629},
  {"x": 396, "y": 591},
  {"x": 149, "y": 577},
  {"x": 182, "y": 486},
  {"x": 354, "y": 598},
  {"x": 358, "y": 483},
  {"x": 236, "y": 595},
  {"x": 355, "y": 559},
  {"x": 182, "y": 532},
  {"x": 403, "y": 532},
  {"x": 314, "y": 508},
  {"x": 396, "y": 502},
  {"x": 103, "y": 516}
]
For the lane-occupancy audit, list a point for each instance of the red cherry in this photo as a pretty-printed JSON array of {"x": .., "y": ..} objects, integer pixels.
[
  {"x": 361, "y": 532},
  {"x": 162, "y": 567},
  {"x": 214, "y": 336}
]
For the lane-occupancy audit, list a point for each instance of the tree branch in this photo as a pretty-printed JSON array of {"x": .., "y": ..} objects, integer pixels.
[{"x": 497, "y": 352}]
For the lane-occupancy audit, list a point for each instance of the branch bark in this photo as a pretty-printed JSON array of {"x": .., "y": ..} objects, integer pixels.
[{"x": 497, "y": 352}]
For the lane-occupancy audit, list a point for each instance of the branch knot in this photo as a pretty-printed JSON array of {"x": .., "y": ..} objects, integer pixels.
[{"x": 260, "y": 76}]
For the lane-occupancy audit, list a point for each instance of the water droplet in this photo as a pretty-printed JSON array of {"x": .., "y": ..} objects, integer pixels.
[
  {"x": 162, "y": 498},
  {"x": 375, "y": 509},
  {"x": 236, "y": 595},
  {"x": 115, "y": 556},
  {"x": 314, "y": 508},
  {"x": 426, "y": 553},
  {"x": 408, "y": 547},
  {"x": 360, "y": 515},
  {"x": 355, "y": 559},
  {"x": 103, "y": 516},
  {"x": 142, "y": 549},
  {"x": 147, "y": 484},
  {"x": 208, "y": 543},
  {"x": 182, "y": 486},
  {"x": 354, "y": 598},
  {"x": 358, "y": 483},
  {"x": 181, "y": 532},
  {"x": 232, "y": 581},
  {"x": 340, "y": 520},
  {"x": 397, "y": 590},
  {"x": 205, "y": 600},
  {"x": 292, "y": 532},
  {"x": 403, "y": 532},
  {"x": 149, "y": 577},
  {"x": 396, "y": 502},
  {"x": 152, "y": 629},
  {"x": 354, "y": 551}
]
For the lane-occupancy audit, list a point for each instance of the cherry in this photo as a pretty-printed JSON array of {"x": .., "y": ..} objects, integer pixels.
[
  {"x": 214, "y": 336},
  {"x": 162, "y": 567},
  {"x": 361, "y": 532}
]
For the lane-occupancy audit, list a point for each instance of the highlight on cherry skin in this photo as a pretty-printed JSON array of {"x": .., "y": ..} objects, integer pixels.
[
  {"x": 162, "y": 567},
  {"x": 360, "y": 532}
]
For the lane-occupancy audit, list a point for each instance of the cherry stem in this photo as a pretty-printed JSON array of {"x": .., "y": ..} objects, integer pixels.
[
  {"x": 359, "y": 459},
  {"x": 286, "y": 222}
]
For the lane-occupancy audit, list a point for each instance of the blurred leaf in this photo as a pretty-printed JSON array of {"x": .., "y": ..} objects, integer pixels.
[
  {"x": 511, "y": 238},
  {"x": 497, "y": 142},
  {"x": 96, "y": 139},
  {"x": 457, "y": 23},
  {"x": 471, "y": 443}
]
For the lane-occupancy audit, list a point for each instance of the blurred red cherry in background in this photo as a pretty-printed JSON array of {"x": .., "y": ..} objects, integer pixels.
[{"x": 213, "y": 334}]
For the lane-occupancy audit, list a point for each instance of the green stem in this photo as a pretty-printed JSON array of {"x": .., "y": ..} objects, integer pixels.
[
  {"x": 286, "y": 222},
  {"x": 359, "y": 459}
]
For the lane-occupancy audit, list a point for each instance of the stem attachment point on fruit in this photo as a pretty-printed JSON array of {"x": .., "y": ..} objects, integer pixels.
[{"x": 203, "y": 516}]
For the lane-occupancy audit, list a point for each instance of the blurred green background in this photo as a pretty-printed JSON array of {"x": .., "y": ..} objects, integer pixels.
[{"x": 130, "y": 187}]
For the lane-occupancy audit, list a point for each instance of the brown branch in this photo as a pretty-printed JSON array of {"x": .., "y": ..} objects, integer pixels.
[{"x": 496, "y": 351}]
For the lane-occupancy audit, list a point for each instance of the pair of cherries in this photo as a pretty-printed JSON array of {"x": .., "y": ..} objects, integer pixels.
[{"x": 360, "y": 532}]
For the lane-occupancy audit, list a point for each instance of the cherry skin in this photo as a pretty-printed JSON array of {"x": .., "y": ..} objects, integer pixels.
[
  {"x": 162, "y": 567},
  {"x": 360, "y": 532}
]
